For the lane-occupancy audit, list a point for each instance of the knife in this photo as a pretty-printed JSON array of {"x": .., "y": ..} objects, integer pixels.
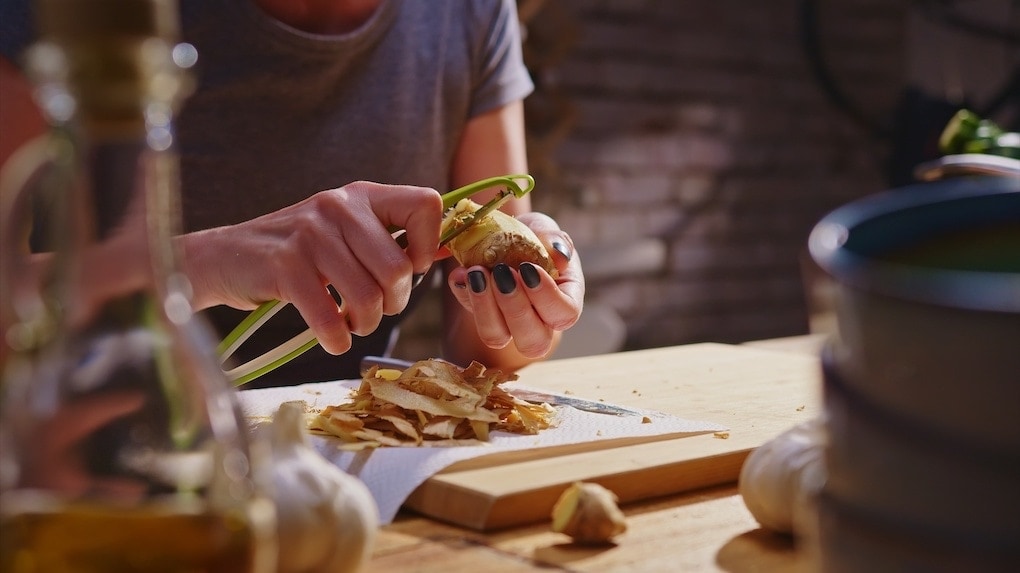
[{"x": 533, "y": 396}]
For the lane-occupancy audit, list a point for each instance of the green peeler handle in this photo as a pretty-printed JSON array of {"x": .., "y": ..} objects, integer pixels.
[{"x": 517, "y": 185}]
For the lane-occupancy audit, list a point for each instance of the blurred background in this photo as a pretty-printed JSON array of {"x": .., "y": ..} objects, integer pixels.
[{"x": 689, "y": 146}]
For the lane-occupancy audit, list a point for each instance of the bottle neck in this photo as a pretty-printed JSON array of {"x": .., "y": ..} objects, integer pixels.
[{"x": 115, "y": 125}]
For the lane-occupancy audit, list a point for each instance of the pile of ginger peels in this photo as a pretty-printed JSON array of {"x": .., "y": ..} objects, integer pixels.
[{"x": 432, "y": 402}]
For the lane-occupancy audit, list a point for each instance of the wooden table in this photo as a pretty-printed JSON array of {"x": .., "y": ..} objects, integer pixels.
[{"x": 708, "y": 529}]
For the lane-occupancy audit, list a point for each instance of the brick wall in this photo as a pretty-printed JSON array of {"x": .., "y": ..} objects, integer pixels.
[
  {"x": 688, "y": 149},
  {"x": 699, "y": 126}
]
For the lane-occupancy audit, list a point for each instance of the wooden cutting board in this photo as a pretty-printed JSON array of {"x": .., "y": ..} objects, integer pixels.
[{"x": 755, "y": 393}]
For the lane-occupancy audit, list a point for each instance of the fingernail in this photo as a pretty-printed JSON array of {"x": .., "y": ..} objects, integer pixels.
[
  {"x": 529, "y": 274},
  {"x": 562, "y": 249},
  {"x": 504, "y": 277},
  {"x": 401, "y": 240},
  {"x": 416, "y": 279},
  {"x": 336, "y": 295},
  {"x": 477, "y": 280},
  {"x": 460, "y": 285}
]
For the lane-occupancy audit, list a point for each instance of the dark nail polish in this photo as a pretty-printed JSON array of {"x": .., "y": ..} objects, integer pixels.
[
  {"x": 529, "y": 274},
  {"x": 416, "y": 279},
  {"x": 336, "y": 295},
  {"x": 401, "y": 240},
  {"x": 504, "y": 277},
  {"x": 477, "y": 280},
  {"x": 562, "y": 248}
]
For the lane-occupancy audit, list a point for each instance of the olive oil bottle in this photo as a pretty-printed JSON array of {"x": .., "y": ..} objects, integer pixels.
[
  {"x": 103, "y": 539},
  {"x": 122, "y": 447}
]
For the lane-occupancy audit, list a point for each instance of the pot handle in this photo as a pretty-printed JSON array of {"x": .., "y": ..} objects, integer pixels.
[{"x": 967, "y": 164}]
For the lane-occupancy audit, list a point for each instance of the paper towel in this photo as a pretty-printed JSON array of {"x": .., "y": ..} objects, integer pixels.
[{"x": 392, "y": 474}]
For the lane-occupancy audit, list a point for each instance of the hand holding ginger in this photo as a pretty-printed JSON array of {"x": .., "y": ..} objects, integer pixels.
[{"x": 517, "y": 299}]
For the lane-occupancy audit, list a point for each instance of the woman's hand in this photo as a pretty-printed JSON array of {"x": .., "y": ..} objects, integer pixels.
[
  {"x": 524, "y": 305},
  {"x": 338, "y": 237},
  {"x": 57, "y": 459}
]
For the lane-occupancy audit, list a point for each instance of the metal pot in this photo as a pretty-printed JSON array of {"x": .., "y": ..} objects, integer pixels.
[{"x": 922, "y": 376}]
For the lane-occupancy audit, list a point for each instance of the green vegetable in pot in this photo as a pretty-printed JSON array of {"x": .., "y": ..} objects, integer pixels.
[{"x": 966, "y": 132}]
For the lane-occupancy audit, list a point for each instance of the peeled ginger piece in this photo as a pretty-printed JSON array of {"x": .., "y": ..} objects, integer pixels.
[
  {"x": 497, "y": 238},
  {"x": 588, "y": 513}
]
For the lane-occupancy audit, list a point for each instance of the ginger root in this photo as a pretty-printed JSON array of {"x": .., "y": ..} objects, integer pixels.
[
  {"x": 496, "y": 238},
  {"x": 588, "y": 513}
]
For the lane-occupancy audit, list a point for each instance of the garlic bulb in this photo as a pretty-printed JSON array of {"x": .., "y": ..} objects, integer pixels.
[
  {"x": 779, "y": 479},
  {"x": 326, "y": 518}
]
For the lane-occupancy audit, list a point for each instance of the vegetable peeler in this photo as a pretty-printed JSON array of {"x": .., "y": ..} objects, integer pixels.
[{"x": 513, "y": 186}]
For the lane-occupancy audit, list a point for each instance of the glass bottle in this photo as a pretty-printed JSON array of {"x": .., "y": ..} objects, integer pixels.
[{"x": 123, "y": 447}]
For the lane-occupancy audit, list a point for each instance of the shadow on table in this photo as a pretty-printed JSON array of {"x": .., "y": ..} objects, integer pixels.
[
  {"x": 760, "y": 550},
  {"x": 563, "y": 554}
]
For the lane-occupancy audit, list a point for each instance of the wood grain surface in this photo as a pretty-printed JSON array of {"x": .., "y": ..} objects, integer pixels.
[{"x": 756, "y": 393}]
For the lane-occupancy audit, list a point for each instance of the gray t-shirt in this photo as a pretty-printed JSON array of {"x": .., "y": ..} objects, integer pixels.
[{"x": 280, "y": 114}]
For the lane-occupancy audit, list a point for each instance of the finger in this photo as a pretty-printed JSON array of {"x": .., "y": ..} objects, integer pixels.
[
  {"x": 334, "y": 335},
  {"x": 531, "y": 335},
  {"x": 387, "y": 277},
  {"x": 329, "y": 247},
  {"x": 417, "y": 210},
  {"x": 557, "y": 242},
  {"x": 393, "y": 265},
  {"x": 87, "y": 415},
  {"x": 359, "y": 256},
  {"x": 319, "y": 311},
  {"x": 362, "y": 308},
  {"x": 557, "y": 302},
  {"x": 369, "y": 289},
  {"x": 458, "y": 281},
  {"x": 492, "y": 330}
]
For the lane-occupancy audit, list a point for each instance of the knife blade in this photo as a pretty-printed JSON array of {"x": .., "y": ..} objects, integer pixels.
[
  {"x": 533, "y": 396},
  {"x": 536, "y": 397}
]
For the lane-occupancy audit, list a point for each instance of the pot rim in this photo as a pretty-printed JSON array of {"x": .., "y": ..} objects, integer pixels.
[{"x": 964, "y": 289}]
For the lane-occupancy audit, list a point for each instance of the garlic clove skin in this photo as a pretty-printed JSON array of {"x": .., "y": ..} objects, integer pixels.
[
  {"x": 781, "y": 478},
  {"x": 327, "y": 519}
]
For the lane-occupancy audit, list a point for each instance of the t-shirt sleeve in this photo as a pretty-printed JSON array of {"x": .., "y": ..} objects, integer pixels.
[{"x": 501, "y": 74}]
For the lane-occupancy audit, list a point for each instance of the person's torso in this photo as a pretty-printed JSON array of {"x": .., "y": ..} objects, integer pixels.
[{"x": 279, "y": 115}]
